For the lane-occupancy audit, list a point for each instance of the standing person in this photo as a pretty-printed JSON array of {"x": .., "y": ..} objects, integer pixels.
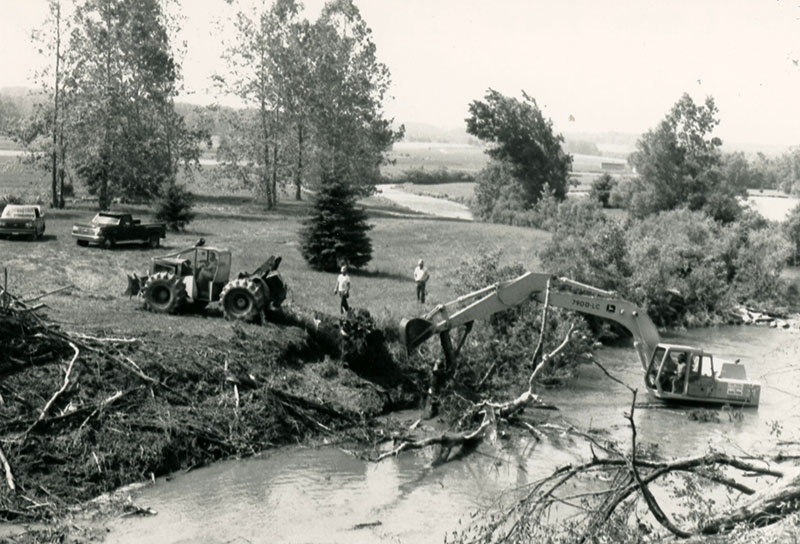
[
  {"x": 421, "y": 277},
  {"x": 343, "y": 290}
]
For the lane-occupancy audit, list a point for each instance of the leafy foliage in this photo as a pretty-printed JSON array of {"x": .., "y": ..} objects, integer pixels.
[
  {"x": 421, "y": 176},
  {"x": 792, "y": 230},
  {"x": 174, "y": 206},
  {"x": 683, "y": 266},
  {"x": 509, "y": 339},
  {"x": 527, "y": 154},
  {"x": 116, "y": 105},
  {"x": 601, "y": 189},
  {"x": 336, "y": 231},
  {"x": 314, "y": 94},
  {"x": 680, "y": 164}
]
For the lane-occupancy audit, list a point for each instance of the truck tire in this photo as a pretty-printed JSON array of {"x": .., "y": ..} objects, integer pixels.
[
  {"x": 82, "y": 243},
  {"x": 108, "y": 243},
  {"x": 164, "y": 293},
  {"x": 243, "y": 299},
  {"x": 154, "y": 241}
]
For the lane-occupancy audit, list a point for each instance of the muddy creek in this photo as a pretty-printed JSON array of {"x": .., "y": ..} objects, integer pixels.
[{"x": 327, "y": 495}]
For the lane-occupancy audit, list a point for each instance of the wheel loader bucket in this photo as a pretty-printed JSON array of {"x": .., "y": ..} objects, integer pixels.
[
  {"x": 135, "y": 284},
  {"x": 415, "y": 331}
]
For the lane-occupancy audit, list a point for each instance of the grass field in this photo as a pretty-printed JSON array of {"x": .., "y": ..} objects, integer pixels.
[
  {"x": 229, "y": 219},
  {"x": 434, "y": 156},
  {"x": 458, "y": 192}
]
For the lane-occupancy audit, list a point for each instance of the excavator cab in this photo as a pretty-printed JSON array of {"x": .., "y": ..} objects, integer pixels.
[{"x": 684, "y": 373}]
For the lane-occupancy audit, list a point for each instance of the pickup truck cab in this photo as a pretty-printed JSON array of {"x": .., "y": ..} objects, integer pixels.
[
  {"x": 107, "y": 229},
  {"x": 25, "y": 220}
]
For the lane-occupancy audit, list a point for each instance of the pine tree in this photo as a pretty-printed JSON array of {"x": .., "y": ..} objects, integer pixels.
[
  {"x": 174, "y": 207},
  {"x": 336, "y": 231}
]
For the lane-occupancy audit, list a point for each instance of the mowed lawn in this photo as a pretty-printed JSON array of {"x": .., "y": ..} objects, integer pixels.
[{"x": 385, "y": 288}]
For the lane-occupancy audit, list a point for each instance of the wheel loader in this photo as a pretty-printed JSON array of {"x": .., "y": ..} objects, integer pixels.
[{"x": 193, "y": 277}]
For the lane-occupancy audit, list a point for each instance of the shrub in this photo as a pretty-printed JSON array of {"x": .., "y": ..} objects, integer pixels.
[
  {"x": 759, "y": 263},
  {"x": 174, "y": 206},
  {"x": 601, "y": 190},
  {"x": 792, "y": 230},
  {"x": 336, "y": 231},
  {"x": 420, "y": 176},
  {"x": 684, "y": 267}
]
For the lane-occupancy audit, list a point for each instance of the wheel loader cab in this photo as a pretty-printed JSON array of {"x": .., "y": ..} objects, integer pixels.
[
  {"x": 212, "y": 270},
  {"x": 179, "y": 266}
]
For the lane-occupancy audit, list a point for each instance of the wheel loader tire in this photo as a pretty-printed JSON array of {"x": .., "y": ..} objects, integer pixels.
[
  {"x": 164, "y": 293},
  {"x": 243, "y": 299}
]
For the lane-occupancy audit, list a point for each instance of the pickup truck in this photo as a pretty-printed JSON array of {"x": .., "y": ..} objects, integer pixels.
[
  {"x": 107, "y": 229},
  {"x": 19, "y": 220}
]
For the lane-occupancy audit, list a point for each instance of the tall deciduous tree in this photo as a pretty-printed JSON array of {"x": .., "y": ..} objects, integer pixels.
[
  {"x": 128, "y": 140},
  {"x": 313, "y": 96},
  {"x": 523, "y": 140},
  {"x": 679, "y": 163},
  {"x": 250, "y": 152},
  {"x": 43, "y": 132},
  {"x": 350, "y": 85}
]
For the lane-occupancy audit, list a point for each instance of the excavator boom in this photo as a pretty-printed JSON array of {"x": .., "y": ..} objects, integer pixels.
[{"x": 659, "y": 361}]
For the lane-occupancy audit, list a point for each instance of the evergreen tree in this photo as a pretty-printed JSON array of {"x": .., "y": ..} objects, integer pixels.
[
  {"x": 336, "y": 231},
  {"x": 174, "y": 206}
]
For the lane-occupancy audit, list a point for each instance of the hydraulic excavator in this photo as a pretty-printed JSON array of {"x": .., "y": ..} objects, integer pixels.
[{"x": 672, "y": 372}]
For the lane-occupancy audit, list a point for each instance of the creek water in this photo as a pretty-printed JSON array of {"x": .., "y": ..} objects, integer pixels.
[{"x": 326, "y": 495}]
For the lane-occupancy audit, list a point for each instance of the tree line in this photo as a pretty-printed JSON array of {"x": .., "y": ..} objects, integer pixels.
[
  {"x": 311, "y": 95},
  {"x": 688, "y": 249}
]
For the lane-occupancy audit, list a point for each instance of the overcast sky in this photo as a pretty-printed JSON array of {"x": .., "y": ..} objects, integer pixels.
[{"x": 612, "y": 65}]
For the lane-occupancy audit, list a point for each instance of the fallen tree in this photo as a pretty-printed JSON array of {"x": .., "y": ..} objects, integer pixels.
[
  {"x": 552, "y": 509},
  {"x": 490, "y": 411}
]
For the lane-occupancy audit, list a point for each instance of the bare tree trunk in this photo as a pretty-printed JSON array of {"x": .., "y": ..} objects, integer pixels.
[
  {"x": 275, "y": 158},
  {"x": 55, "y": 201},
  {"x": 298, "y": 175}
]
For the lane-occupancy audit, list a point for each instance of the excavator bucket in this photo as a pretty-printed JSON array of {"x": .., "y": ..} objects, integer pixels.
[
  {"x": 135, "y": 284},
  {"x": 415, "y": 331}
]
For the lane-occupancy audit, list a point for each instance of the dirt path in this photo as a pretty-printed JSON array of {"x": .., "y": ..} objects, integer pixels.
[{"x": 425, "y": 204}]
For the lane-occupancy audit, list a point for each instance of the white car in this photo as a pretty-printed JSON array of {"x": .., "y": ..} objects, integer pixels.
[{"x": 22, "y": 220}]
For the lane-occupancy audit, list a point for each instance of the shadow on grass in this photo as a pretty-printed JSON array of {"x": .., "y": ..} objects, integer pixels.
[
  {"x": 381, "y": 274},
  {"x": 402, "y": 214},
  {"x": 26, "y": 238}
]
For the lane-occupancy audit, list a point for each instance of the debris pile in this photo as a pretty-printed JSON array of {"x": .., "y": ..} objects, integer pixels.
[{"x": 82, "y": 415}]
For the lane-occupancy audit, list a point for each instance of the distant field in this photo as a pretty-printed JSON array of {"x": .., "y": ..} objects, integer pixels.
[
  {"x": 21, "y": 179},
  {"x": 33, "y": 184},
  {"x": 458, "y": 192},
  {"x": 434, "y": 156},
  {"x": 471, "y": 159}
]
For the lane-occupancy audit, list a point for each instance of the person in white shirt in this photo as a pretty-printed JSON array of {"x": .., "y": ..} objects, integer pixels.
[
  {"x": 343, "y": 290},
  {"x": 421, "y": 277}
]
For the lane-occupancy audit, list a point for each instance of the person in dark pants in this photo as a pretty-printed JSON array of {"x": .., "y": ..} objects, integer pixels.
[
  {"x": 343, "y": 290},
  {"x": 421, "y": 277}
]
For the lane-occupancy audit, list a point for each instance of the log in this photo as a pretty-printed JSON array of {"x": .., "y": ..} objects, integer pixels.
[{"x": 764, "y": 508}]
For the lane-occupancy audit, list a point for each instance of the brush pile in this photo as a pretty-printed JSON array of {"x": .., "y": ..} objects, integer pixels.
[{"x": 81, "y": 415}]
